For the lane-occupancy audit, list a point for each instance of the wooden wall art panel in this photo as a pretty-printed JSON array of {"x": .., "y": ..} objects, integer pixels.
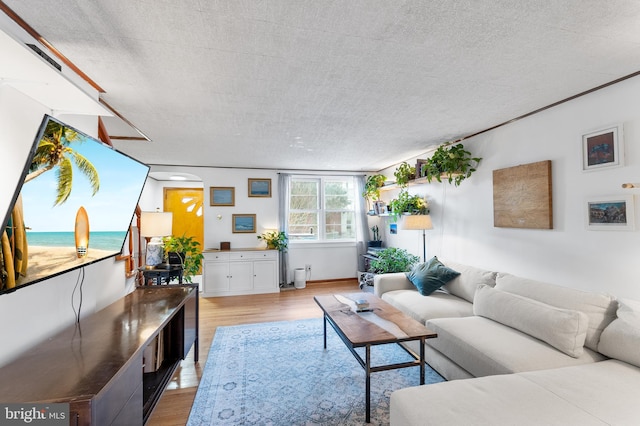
[{"x": 522, "y": 196}]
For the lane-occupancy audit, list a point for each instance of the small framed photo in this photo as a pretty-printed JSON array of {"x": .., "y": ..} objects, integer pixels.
[
  {"x": 393, "y": 228},
  {"x": 244, "y": 223},
  {"x": 603, "y": 148},
  {"x": 260, "y": 188},
  {"x": 223, "y": 196},
  {"x": 611, "y": 213}
]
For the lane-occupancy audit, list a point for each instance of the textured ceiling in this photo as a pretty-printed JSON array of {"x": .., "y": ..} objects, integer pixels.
[{"x": 331, "y": 85}]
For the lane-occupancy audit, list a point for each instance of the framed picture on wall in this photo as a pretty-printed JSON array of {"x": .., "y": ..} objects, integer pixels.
[
  {"x": 223, "y": 196},
  {"x": 243, "y": 223},
  {"x": 259, "y": 187},
  {"x": 603, "y": 148},
  {"x": 614, "y": 213}
]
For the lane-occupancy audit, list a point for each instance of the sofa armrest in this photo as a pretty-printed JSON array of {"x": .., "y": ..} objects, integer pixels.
[{"x": 388, "y": 282}]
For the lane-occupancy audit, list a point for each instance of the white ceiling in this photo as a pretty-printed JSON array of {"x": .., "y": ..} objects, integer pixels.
[{"x": 331, "y": 84}]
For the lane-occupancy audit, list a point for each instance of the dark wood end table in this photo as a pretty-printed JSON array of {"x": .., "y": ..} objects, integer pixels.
[{"x": 389, "y": 325}]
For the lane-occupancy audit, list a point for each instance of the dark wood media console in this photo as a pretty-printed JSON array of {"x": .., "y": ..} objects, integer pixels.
[{"x": 97, "y": 365}]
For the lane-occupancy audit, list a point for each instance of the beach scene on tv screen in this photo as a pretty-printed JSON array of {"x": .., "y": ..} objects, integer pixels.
[{"x": 75, "y": 207}]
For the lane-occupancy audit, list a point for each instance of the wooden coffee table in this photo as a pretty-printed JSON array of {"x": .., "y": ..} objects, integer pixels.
[{"x": 384, "y": 324}]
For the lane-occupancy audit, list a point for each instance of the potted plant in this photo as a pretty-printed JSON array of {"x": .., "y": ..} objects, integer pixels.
[
  {"x": 376, "y": 242},
  {"x": 275, "y": 240},
  {"x": 187, "y": 249},
  {"x": 393, "y": 259},
  {"x": 411, "y": 204},
  {"x": 404, "y": 173},
  {"x": 451, "y": 162},
  {"x": 372, "y": 187}
]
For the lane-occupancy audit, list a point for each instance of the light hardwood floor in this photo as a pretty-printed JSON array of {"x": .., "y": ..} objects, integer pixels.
[{"x": 175, "y": 404}]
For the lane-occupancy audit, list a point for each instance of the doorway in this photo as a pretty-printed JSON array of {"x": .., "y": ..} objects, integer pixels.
[{"x": 186, "y": 204}]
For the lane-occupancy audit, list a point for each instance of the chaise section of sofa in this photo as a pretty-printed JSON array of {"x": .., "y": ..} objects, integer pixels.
[
  {"x": 602, "y": 393},
  {"x": 597, "y": 393}
]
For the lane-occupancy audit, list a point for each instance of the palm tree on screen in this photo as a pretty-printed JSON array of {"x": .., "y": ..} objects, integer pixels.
[{"x": 54, "y": 151}]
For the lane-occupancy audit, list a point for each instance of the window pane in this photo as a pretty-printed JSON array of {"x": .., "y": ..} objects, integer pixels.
[
  {"x": 303, "y": 226},
  {"x": 340, "y": 225},
  {"x": 304, "y": 195},
  {"x": 338, "y": 195}
]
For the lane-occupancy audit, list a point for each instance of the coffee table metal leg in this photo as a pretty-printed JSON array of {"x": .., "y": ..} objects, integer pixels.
[
  {"x": 368, "y": 384},
  {"x": 325, "y": 331},
  {"x": 422, "y": 341}
]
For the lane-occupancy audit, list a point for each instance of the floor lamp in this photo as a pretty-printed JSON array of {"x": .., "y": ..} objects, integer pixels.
[{"x": 419, "y": 222}]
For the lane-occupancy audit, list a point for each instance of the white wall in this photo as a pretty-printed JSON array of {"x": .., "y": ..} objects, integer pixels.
[
  {"x": 34, "y": 313},
  {"x": 328, "y": 261},
  {"x": 569, "y": 254}
]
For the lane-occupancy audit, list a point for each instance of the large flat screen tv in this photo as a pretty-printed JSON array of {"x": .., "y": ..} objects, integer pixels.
[{"x": 73, "y": 207}]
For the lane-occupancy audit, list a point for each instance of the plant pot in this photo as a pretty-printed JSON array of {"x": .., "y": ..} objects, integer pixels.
[{"x": 374, "y": 243}]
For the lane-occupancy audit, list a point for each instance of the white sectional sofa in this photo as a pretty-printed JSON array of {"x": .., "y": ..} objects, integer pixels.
[{"x": 528, "y": 352}]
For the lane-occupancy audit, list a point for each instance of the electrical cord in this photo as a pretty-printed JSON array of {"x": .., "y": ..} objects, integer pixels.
[{"x": 78, "y": 286}]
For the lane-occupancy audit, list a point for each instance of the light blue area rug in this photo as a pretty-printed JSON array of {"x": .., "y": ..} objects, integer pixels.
[{"x": 279, "y": 374}]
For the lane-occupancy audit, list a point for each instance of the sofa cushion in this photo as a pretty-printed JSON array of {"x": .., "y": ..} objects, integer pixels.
[
  {"x": 484, "y": 347},
  {"x": 600, "y": 308},
  {"x": 621, "y": 338},
  {"x": 563, "y": 329},
  {"x": 422, "y": 308},
  {"x": 465, "y": 284},
  {"x": 430, "y": 276}
]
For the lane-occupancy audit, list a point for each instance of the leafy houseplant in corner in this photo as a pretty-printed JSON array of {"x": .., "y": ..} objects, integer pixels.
[
  {"x": 393, "y": 259},
  {"x": 451, "y": 162},
  {"x": 275, "y": 240},
  {"x": 188, "y": 251}
]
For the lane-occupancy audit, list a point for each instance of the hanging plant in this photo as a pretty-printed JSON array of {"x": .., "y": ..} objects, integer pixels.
[
  {"x": 451, "y": 162},
  {"x": 404, "y": 173},
  {"x": 372, "y": 187}
]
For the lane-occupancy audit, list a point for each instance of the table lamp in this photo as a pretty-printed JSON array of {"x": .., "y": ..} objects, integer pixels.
[
  {"x": 419, "y": 222},
  {"x": 154, "y": 226}
]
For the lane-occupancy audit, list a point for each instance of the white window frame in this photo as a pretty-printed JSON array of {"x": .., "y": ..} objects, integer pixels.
[{"x": 321, "y": 211}]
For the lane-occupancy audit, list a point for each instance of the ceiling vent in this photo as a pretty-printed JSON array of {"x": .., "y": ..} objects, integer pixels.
[{"x": 45, "y": 56}]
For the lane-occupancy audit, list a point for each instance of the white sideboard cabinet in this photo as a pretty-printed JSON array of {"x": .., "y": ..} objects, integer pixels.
[{"x": 240, "y": 271}]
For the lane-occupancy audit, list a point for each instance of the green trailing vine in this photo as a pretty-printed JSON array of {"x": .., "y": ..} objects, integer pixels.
[
  {"x": 372, "y": 187},
  {"x": 452, "y": 162},
  {"x": 403, "y": 174}
]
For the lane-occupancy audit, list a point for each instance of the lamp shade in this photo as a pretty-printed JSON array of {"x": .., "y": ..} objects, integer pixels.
[
  {"x": 417, "y": 221},
  {"x": 155, "y": 224}
]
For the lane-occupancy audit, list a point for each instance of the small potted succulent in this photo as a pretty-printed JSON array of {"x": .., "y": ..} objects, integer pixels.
[{"x": 376, "y": 242}]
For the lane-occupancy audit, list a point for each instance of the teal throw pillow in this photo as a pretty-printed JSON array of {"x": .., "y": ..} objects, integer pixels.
[{"x": 430, "y": 276}]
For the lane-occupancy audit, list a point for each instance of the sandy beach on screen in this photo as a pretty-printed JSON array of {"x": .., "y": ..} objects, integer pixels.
[{"x": 44, "y": 261}]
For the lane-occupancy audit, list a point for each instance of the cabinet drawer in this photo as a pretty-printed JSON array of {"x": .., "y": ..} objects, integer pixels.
[
  {"x": 253, "y": 255},
  {"x": 217, "y": 256}
]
